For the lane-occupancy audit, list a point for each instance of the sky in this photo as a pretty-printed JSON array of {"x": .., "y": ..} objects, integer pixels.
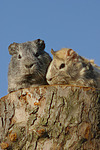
[{"x": 60, "y": 23}]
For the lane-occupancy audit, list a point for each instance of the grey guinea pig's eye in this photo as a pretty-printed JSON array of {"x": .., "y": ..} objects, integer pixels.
[
  {"x": 62, "y": 66},
  {"x": 19, "y": 56}
]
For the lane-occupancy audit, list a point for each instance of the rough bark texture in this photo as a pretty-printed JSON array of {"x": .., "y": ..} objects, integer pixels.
[{"x": 56, "y": 117}]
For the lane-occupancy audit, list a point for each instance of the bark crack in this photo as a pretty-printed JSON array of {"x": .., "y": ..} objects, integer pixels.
[{"x": 50, "y": 107}]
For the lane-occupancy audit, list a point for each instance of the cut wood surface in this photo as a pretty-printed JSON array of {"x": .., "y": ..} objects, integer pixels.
[{"x": 57, "y": 117}]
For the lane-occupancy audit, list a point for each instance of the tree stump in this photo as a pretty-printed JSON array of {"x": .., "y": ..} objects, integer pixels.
[{"x": 57, "y": 117}]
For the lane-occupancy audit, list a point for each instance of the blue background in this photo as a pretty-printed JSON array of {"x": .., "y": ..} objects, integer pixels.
[{"x": 60, "y": 23}]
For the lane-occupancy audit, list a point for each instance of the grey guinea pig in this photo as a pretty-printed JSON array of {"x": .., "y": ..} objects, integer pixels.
[{"x": 28, "y": 65}]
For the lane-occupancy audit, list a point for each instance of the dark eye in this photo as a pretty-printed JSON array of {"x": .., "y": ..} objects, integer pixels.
[
  {"x": 37, "y": 54},
  {"x": 19, "y": 56},
  {"x": 62, "y": 66}
]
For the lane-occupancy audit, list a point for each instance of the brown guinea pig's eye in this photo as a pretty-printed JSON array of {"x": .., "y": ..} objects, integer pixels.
[
  {"x": 19, "y": 56},
  {"x": 62, "y": 66}
]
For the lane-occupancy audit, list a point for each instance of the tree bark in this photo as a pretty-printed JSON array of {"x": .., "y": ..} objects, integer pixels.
[{"x": 58, "y": 117}]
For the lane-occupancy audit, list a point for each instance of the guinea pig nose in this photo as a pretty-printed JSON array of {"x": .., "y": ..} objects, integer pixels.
[{"x": 29, "y": 66}]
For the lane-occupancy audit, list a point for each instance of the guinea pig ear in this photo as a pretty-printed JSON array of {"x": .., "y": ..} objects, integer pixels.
[
  {"x": 13, "y": 48},
  {"x": 40, "y": 44},
  {"x": 52, "y": 52}
]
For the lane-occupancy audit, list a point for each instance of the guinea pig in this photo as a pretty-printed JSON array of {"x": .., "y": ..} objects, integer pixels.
[
  {"x": 28, "y": 65},
  {"x": 67, "y": 67}
]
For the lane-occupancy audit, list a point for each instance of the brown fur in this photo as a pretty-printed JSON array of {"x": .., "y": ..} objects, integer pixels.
[{"x": 67, "y": 67}]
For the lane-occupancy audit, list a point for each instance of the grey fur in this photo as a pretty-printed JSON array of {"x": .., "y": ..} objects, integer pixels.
[{"x": 28, "y": 65}]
